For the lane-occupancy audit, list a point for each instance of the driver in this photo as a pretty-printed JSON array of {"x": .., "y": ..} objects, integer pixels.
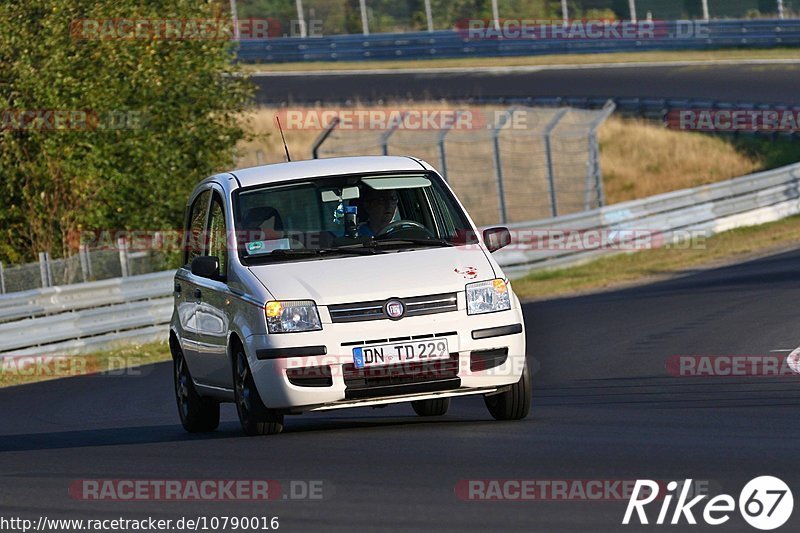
[{"x": 380, "y": 208}]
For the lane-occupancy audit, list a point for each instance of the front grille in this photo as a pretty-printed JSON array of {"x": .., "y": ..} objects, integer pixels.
[
  {"x": 374, "y": 310},
  {"x": 406, "y": 378},
  {"x": 400, "y": 339}
]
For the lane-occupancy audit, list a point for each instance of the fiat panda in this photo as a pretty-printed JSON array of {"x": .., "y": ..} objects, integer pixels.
[{"x": 336, "y": 283}]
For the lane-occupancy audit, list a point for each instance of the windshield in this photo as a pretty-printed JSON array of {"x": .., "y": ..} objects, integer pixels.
[{"x": 347, "y": 215}]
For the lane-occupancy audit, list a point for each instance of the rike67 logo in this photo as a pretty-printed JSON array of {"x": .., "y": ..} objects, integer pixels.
[{"x": 765, "y": 503}]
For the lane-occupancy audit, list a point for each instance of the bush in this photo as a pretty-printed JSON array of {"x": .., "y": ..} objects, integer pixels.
[{"x": 174, "y": 104}]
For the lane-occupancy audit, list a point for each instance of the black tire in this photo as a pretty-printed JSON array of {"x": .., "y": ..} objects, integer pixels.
[
  {"x": 433, "y": 407},
  {"x": 515, "y": 403},
  {"x": 198, "y": 414},
  {"x": 255, "y": 418}
]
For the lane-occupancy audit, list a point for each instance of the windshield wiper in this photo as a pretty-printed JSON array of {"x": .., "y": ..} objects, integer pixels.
[
  {"x": 378, "y": 243},
  {"x": 307, "y": 252}
]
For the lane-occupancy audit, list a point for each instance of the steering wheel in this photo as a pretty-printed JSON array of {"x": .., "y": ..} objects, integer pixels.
[{"x": 400, "y": 225}]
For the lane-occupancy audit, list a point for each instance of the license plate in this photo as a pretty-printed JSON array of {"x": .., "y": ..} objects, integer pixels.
[{"x": 400, "y": 353}]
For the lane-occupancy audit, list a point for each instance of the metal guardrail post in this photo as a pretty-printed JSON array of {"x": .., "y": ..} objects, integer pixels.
[
  {"x": 364, "y": 19},
  {"x": 429, "y": 15},
  {"x": 48, "y": 269},
  {"x": 43, "y": 269},
  {"x": 323, "y": 137},
  {"x": 83, "y": 256},
  {"x": 2, "y": 279},
  {"x": 123, "y": 256},
  {"x": 594, "y": 177},
  {"x": 548, "y": 153},
  {"x": 498, "y": 163},
  {"x": 89, "y": 269},
  {"x": 389, "y": 132}
]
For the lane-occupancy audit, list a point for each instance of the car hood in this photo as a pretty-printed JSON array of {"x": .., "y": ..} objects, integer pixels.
[{"x": 355, "y": 278}]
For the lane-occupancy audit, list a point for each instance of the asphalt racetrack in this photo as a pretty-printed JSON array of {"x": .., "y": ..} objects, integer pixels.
[
  {"x": 604, "y": 409},
  {"x": 760, "y": 83}
]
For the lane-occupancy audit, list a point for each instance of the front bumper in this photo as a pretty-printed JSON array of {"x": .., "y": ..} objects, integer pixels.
[{"x": 487, "y": 354}]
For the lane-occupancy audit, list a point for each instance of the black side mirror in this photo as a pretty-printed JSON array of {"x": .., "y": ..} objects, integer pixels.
[
  {"x": 496, "y": 238},
  {"x": 206, "y": 266}
]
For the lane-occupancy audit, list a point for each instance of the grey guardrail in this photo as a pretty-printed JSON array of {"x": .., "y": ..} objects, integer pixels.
[
  {"x": 90, "y": 316},
  {"x": 86, "y": 316},
  {"x": 35, "y": 332},
  {"x": 709, "y": 209},
  {"x": 52, "y": 300},
  {"x": 762, "y": 33}
]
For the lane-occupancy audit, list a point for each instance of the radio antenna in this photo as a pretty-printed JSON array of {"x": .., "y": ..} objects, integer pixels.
[{"x": 285, "y": 146}]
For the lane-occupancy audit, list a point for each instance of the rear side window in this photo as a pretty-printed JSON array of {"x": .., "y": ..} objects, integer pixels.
[
  {"x": 217, "y": 235},
  {"x": 195, "y": 232}
]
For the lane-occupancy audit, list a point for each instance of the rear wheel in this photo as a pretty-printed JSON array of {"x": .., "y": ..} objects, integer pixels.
[
  {"x": 515, "y": 403},
  {"x": 434, "y": 407},
  {"x": 255, "y": 418},
  {"x": 198, "y": 414}
]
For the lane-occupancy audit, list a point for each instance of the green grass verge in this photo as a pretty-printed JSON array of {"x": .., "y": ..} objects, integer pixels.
[
  {"x": 48, "y": 367},
  {"x": 524, "y": 61},
  {"x": 647, "y": 265}
]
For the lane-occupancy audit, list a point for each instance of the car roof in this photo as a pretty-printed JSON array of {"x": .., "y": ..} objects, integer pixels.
[{"x": 334, "y": 166}]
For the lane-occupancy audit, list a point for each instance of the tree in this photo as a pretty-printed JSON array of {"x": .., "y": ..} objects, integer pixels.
[{"x": 160, "y": 114}]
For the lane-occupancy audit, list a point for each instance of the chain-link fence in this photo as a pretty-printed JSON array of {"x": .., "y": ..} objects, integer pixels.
[
  {"x": 314, "y": 18},
  {"x": 508, "y": 165},
  {"x": 87, "y": 265}
]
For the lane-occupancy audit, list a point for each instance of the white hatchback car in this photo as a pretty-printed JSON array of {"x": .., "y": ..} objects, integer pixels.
[{"x": 334, "y": 283}]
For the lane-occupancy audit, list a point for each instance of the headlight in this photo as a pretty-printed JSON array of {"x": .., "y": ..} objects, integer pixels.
[
  {"x": 488, "y": 297},
  {"x": 292, "y": 316}
]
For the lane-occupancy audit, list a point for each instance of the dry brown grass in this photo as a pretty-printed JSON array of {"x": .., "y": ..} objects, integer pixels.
[
  {"x": 640, "y": 159},
  {"x": 265, "y": 146}
]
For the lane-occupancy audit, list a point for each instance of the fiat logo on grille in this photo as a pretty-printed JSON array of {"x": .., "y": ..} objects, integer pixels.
[{"x": 395, "y": 309}]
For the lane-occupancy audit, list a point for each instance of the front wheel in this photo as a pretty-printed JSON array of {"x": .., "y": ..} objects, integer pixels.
[
  {"x": 515, "y": 403},
  {"x": 255, "y": 418},
  {"x": 433, "y": 407},
  {"x": 198, "y": 414}
]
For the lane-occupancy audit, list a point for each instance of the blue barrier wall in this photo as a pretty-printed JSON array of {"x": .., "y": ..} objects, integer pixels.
[{"x": 450, "y": 44}]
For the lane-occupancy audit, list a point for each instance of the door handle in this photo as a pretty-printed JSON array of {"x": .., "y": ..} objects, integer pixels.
[
  {"x": 198, "y": 293},
  {"x": 178, "y": 288}
]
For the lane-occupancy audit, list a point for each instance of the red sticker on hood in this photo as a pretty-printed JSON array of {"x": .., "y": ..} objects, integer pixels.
[{"x": 467, "y": 272}]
